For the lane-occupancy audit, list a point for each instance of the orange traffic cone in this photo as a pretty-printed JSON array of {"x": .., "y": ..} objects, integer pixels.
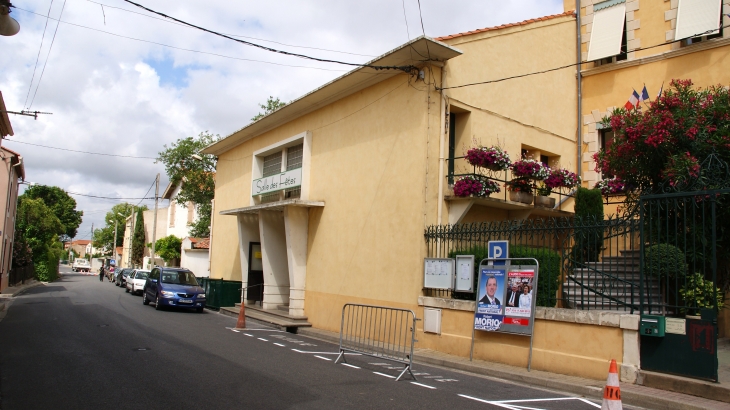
[
  {"x": 241, "y": 323},
  {"x": 612, "y": 391}
]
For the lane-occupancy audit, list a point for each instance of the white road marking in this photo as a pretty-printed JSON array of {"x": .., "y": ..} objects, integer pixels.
[
  {"x": 446, "y": 380},
  {"x": 512, "y": 404},
  {"x": 279, "y": 344},
  {"x": 237, "y": 331},
  {"x": 323, "y": 358},
  {"x": 304, "y": 351},
  {"x": 349, "y": 365},
  {"x": 423, "y": 385},
  {"x": 386, "y": 375},
  {"x": 589, "y": 402},
  {"x": 422, "y": 374},
  {"x": 380, "y": 364},
  {"x": 262, "y": 339},
  {"x": 248, "y": 335}
]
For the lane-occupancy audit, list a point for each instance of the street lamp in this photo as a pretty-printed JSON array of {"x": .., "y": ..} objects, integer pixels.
[{"x": 8, "y": 25}]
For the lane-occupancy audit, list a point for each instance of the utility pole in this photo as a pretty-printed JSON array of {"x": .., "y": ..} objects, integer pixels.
[
  {"x": 91, "y": 248},
  {"x": 114, "y": 248},
  {"x": 154, "y": 219},
  {"x": 131, "y": 239}
]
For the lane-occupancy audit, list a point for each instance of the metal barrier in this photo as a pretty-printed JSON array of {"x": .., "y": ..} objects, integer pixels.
[{"x": 379, "y": 331}]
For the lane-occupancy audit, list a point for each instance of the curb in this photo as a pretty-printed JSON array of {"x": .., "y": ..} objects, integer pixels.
[{"x": 20, "y": 290}]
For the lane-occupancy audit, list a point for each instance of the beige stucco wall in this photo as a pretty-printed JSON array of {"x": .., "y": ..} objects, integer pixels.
[
  {"x": 537, "y": 113},
  {"x": 368, "y": 164}
]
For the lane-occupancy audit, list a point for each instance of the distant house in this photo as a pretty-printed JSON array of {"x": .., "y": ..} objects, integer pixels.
[
  {"x": 195, "y": 255},
  {"x": 179, "y": 217},
  {"x": 148, "y": 218},
  {"x": 79, "y": 246}
]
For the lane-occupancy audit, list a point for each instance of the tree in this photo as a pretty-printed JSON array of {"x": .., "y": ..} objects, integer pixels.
[
  {"x": 168, "y": 248},
  {"x": 272, "y": 104},
  {"x": 37, "y": 225},
  {"x": 62, "y": 205},
  {"x": 138, "y": 240},
  {"x": 664, "y": 145},
  {"x": 197, "y": 176},
  {"x": 680, "y": 143},
  {"x": 104, "y": 237}
]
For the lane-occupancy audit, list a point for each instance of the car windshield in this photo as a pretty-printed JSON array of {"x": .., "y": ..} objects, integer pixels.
[
  {"x": 179, "y": 278},
  {"x": 141, "y": 275}
]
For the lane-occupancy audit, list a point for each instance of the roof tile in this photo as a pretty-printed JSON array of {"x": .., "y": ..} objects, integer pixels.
[{"x": 522, "y": 23}]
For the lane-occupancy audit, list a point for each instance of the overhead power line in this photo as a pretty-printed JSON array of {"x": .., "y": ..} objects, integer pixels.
[
  {"x": 80, "y": 194},
  {"x": 53, "y": 40},
  {"x": 573, "y": 64},
  {"x": 229, "y": 34},
  {"x": 80, "y": 152},
  {"x": 177, "y": 48},
  {"x": 407, "y": 68},
  {"x": 38, "y": 57}
]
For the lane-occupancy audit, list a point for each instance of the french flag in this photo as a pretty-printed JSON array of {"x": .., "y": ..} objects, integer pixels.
[{"x": 633, "y": 101}]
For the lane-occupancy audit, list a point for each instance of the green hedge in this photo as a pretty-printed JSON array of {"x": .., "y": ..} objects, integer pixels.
[
  {"x": 588, "y": 229},
  {"x": 47, "y": 270},
  {"x": 549, "y": 273}
]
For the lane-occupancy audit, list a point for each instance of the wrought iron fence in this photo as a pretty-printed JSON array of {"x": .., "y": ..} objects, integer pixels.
[
  {"x": 584, "y": 263},
  {"x": 682, "y": 251}
]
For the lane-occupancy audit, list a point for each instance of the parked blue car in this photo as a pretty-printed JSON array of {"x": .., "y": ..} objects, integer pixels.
[{"x": 173, "y": 287}]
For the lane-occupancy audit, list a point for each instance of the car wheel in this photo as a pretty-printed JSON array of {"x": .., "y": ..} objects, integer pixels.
[
  {"x": 157, "y": 303},
  {"x": 144, "y": 298},
  {"x": 126, "y": 289}
]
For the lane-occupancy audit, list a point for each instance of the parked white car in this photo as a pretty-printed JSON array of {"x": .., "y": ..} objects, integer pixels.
[{"x": 136, "y": 281}]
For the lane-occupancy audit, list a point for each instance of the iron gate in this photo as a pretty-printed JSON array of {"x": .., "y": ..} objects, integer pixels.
[{"x": 681, "y": 251}]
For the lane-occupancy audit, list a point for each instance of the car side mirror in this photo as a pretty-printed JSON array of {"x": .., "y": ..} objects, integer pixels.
[{"x": 153, "y": 280}]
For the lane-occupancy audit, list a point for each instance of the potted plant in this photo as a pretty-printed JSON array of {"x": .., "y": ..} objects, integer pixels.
[
  {"x": 611, "y": 186},
  {"x": 530, "y": 169},
  {"x": 475, "y": 185},
  {"x": 700, "y": 293},
  {"x": 543, "y": 198},
  {"x": 557, "y": 179},
  {"x": 492, "y": 158},
  {"x": 520, "y": 190}
]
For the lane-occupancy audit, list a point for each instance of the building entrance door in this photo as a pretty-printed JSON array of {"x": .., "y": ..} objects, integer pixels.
[{"x": 255, "y": 273}]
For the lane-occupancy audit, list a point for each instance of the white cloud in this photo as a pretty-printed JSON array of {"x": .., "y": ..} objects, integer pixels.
[{"x": 106, "y": 96}]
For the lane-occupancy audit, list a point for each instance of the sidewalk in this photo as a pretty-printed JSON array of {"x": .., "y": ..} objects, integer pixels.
[
  {"x": 631, "y": 394},
  {"x": 13, "y": 291}
]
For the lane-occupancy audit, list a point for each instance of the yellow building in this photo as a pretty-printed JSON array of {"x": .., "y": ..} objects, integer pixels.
[
  {"x": 629, "y": 45},
  {"x": 325, "y": 201}
]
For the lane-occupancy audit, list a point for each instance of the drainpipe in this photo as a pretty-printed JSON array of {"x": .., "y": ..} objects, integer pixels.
[
  {"x": 442, "y": 130},
  {"x": 579, "y": 166}
]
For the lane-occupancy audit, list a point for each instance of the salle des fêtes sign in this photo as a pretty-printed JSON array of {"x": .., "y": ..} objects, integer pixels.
[{"x": 273, "y": 183}]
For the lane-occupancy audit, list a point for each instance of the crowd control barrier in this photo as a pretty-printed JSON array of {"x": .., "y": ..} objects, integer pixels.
[{"x": 379, "y": 331}]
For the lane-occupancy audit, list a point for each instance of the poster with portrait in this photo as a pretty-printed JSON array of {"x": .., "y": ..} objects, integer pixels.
[
  {"x": 489, "y": 313},
  {"x": 518, "y": 300}
]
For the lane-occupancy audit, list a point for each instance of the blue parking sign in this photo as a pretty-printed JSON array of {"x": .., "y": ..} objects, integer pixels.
[{"x": 498, "y": 249}]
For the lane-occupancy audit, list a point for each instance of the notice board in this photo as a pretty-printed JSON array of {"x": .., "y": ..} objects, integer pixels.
[{"x": 438, "y": 273}]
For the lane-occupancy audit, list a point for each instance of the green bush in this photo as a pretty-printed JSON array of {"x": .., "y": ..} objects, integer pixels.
[
  {"x": 701, "y": 294},
  {"x": 665, "y": 261},
  {"x": 548, "y": 275},
  {"x": 588, "y": 225}
]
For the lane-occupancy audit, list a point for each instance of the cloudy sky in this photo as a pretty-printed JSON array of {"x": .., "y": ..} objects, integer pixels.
[{"x": 120, "y": 81}]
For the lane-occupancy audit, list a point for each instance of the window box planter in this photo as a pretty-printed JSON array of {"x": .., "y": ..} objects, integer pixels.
[
  {"x": 545, "y": 201},
  {"x": 517, "y": 196}
]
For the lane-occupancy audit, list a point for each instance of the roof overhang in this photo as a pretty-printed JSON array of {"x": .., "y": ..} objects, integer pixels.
[
  {"x": 341, "y": 87},
  {"x": 5, "y": 127},
  {"x": 273, "y": 206}
]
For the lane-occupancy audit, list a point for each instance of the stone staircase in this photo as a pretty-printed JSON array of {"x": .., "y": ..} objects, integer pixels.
[
  {"x": 278, "y": 317},
  {"x": 615, "y": 277}
]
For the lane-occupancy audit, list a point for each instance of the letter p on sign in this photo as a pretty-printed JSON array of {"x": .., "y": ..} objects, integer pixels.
[{"x": 498, "y": 249}]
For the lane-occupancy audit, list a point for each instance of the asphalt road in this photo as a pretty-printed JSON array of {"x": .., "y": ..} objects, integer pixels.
[{"x": 79, "y": 343}]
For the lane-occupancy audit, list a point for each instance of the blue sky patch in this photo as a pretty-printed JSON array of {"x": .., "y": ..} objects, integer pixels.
[{"x": 171, "y": 75}]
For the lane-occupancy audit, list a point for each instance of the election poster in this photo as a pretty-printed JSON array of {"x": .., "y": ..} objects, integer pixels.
[
  {"x": 518, "y": 301},
  {"x": 489, "y": 313}
]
